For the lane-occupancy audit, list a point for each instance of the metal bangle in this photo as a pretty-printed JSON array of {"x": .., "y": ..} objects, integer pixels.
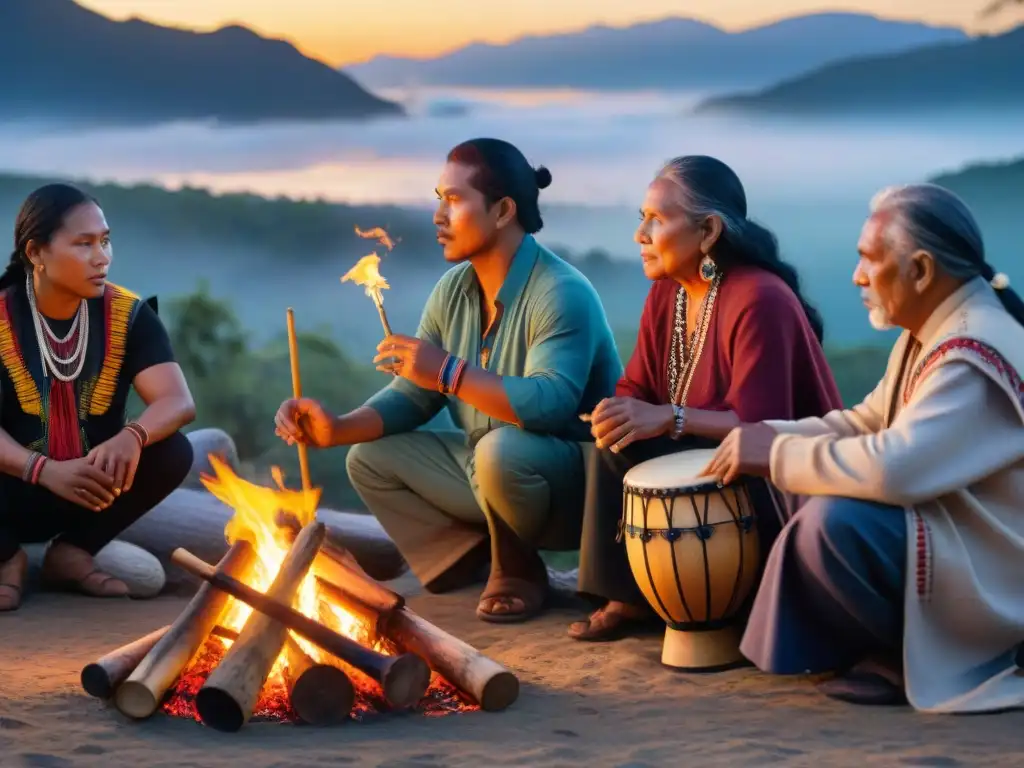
[{"x": 679, "y": 426}]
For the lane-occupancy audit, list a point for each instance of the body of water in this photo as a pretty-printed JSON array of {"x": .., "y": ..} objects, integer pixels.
[
  {"x": 602, "y": 149},
  {"x": 809, "y": 181}
]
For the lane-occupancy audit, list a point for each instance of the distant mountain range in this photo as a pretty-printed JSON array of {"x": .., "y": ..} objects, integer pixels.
[
  {"x": 60, "y": 61},
  {"x": 673, "y": 53},
  {"x": 985, "y": 73}
]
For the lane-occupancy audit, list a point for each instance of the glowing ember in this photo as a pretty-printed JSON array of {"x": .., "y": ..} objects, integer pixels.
[
  {"x": 255, "y": 520},
  {"x": 378, "y": 234},
  {"x": 442, "y": 697}
]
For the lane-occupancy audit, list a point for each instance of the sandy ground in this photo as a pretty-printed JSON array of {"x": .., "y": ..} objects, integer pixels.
[{"x": 610, "y": 704}]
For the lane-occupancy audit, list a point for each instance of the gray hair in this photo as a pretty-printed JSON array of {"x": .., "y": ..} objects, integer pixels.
[
  {"x": 931, "y": 218},
  {"x": 709, "y": 187}
]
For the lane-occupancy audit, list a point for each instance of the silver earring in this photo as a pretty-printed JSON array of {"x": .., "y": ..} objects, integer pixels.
[{"x": 708, "y": 269}]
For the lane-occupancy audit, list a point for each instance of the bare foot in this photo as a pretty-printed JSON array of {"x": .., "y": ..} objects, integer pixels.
[
  {"x": 12, "y": 581},
  {"x": 613, "y": 621},
  {"x": 69, "y": 567}
]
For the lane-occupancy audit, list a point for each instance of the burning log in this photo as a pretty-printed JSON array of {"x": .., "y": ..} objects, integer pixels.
[
  {"x": 489, "y": 683},
  {"x": 404, "y": 679},
  {"x": 320, "y": 694},
  {"x": 336, "y": 566},
  {"x": 493, "y": 686},
  {"x": 139, "y": 696},
  {"x": 102, "y": 677},
  {"x": 227, "y": 699}
]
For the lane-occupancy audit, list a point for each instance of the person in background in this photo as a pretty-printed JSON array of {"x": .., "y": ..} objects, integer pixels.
[
  {"x": 725, "y": 337},
  {"x": 71, "y": 347},
  {"x": 514, "y": 342},
  {"x": 902, "y": 567}
]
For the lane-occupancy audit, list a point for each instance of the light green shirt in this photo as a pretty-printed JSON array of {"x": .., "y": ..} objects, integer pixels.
[{"x": 551, "y": 345}]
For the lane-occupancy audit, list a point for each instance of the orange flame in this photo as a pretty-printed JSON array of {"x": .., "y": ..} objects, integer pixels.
[
  {"x": 257, "y": 512},
  {"x": 378, "y": 234},
  {"x": 255, "y": 520},
  {"x": 366, "y": 273}
]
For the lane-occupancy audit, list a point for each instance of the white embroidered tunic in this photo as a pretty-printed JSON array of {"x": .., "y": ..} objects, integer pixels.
[{"x": 944, "y": 440}]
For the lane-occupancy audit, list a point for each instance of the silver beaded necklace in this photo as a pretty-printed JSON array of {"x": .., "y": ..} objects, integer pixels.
[
  {"x": 683, "y": 357},
  {"x": 63, "y": 369}
]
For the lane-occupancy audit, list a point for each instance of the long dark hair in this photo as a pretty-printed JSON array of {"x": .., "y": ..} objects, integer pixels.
[
  {"x": 40, "y": 218},
  {"x": 933, "y": 219},
  {"x": 501, "y": 170},
  {"x": 710, "y": 187}
]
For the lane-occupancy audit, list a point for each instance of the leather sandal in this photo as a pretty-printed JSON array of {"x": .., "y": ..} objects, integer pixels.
[
  {"x": 90, "y": 585},
  {"x": 531, "y": 595}
]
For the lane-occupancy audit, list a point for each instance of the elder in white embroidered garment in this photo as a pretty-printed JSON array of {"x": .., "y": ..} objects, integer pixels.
[{"x": 902, "y": 567}]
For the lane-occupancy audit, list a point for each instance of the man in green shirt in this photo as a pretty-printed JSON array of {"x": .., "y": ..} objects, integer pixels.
[{"x": 514, "y": 342}]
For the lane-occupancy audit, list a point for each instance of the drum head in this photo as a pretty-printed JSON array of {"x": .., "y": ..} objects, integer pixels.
[{"x": 674, "y": 471}]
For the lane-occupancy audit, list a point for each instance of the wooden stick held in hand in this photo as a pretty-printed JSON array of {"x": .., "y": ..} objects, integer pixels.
[
  {"x": 293, "y": 354},
  {"x": 379, "y": 302}
]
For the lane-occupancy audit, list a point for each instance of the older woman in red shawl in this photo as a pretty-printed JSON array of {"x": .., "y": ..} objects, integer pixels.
[{"x": 725, "y": 338}]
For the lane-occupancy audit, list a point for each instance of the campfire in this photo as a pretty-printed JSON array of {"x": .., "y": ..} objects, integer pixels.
[{"x": 288, "y": 627}]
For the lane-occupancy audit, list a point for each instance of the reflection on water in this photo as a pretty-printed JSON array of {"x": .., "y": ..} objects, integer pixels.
[{"x": 601, "y": 147}]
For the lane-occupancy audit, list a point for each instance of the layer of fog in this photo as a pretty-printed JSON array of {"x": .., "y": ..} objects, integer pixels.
[{"x": 809, "y": 181}]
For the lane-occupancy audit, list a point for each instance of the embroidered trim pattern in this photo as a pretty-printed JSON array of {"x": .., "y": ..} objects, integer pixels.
[
  {"x": 923, "y": 573},
  {"x": 984, "y": 352},
  {"x": 119, "y": 304},
  {"x": 25, "y": 387}
]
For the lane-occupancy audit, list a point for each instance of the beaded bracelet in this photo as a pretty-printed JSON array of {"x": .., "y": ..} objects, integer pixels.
[
  {"x": 30, "y": 465},
  {"x": 441, "y": 373},
  {"x": 448, "y": 374},
  {"x": 139, "y": 432},
  {"x": 460, "y": 368},
  {"x": 37, "y": 470},
  {"x": 451, "y": 374}
]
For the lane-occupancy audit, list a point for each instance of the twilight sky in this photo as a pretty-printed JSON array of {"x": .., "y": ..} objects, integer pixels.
[{"x": 343, "y": 31}]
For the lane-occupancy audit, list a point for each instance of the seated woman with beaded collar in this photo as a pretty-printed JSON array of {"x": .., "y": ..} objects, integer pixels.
[
  {"x": 71, "y": 346},
  {"x": 725, "y": 338}
]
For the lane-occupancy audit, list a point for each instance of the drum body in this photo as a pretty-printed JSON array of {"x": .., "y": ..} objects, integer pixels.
[{"x": 694, "y": 551}]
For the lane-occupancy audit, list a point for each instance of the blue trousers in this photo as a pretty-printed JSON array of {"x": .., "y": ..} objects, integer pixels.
[{"x": 833, "y": 589}]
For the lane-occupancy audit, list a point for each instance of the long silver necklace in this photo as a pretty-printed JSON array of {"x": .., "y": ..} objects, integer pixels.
[
  {"x": 688, "y": 351},
  {"x": 63, "y": 368}
]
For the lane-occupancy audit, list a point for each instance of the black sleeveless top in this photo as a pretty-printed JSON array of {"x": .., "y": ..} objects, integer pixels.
[{"x": 125, "y": 338}]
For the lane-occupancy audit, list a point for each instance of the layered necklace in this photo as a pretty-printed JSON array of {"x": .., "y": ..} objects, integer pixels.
[
  {"x": 685, "y": 352},
  {"x": 51, "y": 346}
]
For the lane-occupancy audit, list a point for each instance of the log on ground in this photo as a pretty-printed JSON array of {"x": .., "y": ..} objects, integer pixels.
[
  {"x": 227, "y": 698},
  {"x": 139, "y": 696},
  {"x": 490, "y": 684},
  {"x": 319, "y": 693},
  {"x": 102, "y": 677}
]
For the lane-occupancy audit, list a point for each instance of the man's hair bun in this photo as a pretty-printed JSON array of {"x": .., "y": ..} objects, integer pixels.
[{"x": 543, "y": 176}]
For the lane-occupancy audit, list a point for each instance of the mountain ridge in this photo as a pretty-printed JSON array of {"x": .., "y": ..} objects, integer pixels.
[
  {"x": 672, "y": 52},
  {"x": 978, "y": 73},
  {"x": 87, "y": 68}
]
